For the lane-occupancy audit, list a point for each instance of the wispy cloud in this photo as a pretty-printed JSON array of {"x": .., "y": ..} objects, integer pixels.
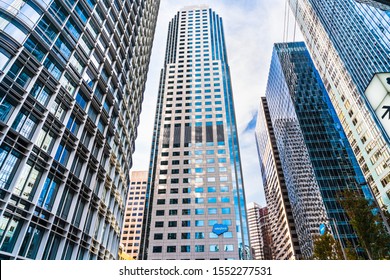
[{"x": 251, "y": 29}]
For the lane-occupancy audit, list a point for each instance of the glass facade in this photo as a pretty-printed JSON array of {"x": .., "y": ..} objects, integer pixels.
[
  {"x": 316, "y": 158},
  {"x": 72, "y": 76},
  {"x": 381, "y": 4},
  {"x": 350, "y": 43},
  {"x": 195, "y": 178}
]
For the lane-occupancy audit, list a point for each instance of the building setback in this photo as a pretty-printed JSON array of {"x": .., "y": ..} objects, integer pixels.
[
  {"x": 135, "y": 207},
  {"x": 349, "y": 43},
  {"x": 284, "y": 239},
  {"x": 316, "y": 158},
  {"x": 195, "y": 172},
  {"x": 72, "y": 77}
]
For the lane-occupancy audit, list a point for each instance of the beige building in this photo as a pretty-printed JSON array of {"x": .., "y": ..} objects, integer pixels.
[
  {"x": 132, "y": 227},
  {"x": 196, "y": 183},
  {"x": 259, "y": 232}
]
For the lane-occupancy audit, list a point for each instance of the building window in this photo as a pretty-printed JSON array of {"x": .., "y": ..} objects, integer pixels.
[
  {"x": 185, "y": 249},
  {"x": 157, "y": 249},
  {"x": 185, "y": 223},
  {"x": 25, "y": 123},
  {"x": 228, "y": 248},
  {"x": 199, "y": 248},
  {"x": 32, "y": 241},
  {"x": 62, "y": 154},
  {"x": 9, "y": 232},
  {"x": 158, "y": 236},
  {"x": 159, "y": 224},
  {"x": 172, "y": 224},
  {"x": 171, "y": 249},
  {"x": 48, "y": 193},
  {"x": 214, "y": 248},
  {"x": 28, "y": 181},
  {"x": 45, "y": 140},
  {"x": 9, "y": 162},
  {"x": 173, "y": 201}
]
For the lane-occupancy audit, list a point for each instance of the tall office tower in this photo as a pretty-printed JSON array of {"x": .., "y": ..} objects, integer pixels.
[
  {"x": 266, "y": 233},
  {"x": 72, "y": 77},
  {"x": 380, "y": 4},
  {"x": 135, "y": 206},
  {"x": 350, "y": 43},
  {"x": 259, "y": 232},
  {"x": 316, "y": 159},
  {"x": 196, "y": 201},
  {"x": 285, "y": 244}
]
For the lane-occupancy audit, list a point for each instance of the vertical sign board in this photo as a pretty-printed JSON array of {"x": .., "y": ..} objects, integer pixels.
[{"x": 378, "y": 94}]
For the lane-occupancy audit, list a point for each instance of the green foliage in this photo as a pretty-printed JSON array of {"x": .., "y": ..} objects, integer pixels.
[
  {"x": 372, "y": 236},
  {"x": 326, "y": 248}
]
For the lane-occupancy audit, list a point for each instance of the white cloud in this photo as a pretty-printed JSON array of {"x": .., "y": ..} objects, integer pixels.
[{"x": 251, "y": 28}]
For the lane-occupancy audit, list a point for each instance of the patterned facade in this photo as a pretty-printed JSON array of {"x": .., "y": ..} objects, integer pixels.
[{"x": 72, "y": 76}]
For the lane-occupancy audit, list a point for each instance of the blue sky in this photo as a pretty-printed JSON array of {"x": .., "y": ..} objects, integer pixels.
[{"x": 251, "y": 28}]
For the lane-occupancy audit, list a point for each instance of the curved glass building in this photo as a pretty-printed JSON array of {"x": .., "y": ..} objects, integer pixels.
[{"x": 72, "y": 76}]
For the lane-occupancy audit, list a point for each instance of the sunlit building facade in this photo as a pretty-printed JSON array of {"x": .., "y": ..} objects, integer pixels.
[
  {"x": 195, "y": 179},
  {"x": 349, "y": 43},
  {"x": 135, "y": 207},
  {"x": 72, "y": 76}
]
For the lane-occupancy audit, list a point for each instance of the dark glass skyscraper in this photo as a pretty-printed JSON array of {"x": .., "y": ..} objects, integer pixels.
[
  {"x": 316, "y": 158},
  {"x": 195, "y": 202},
  {"x": 350, "y": 43},
  {"x": 72, "y": 76}
]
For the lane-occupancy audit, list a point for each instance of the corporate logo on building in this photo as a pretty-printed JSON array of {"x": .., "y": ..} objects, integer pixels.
[{"x": 219, "y": 229}]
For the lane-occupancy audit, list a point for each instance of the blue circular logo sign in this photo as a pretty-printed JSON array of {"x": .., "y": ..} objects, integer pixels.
[{"x": 219, "y": 229}]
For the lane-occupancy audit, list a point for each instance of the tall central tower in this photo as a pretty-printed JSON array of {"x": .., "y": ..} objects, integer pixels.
[{"x": 195, "y": 199}]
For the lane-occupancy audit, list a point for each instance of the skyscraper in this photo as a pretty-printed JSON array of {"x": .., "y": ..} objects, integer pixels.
[
  {"x": 135, "y": 207},
  {"x": 259, "y": 231},
  {"x": 380, "y": 4},
  {"x": 72, "y": 76},
  {"x": 284, "y": 238},
  {"x": 316, "y": 159},
  {"x": 350, "y": 43},
  {"x": 196, "y": 202}
]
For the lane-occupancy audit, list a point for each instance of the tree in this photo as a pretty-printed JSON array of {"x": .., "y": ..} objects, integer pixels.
[
  {"x": 326, "y": 248},
  {"x": 372, "y": 236}
]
